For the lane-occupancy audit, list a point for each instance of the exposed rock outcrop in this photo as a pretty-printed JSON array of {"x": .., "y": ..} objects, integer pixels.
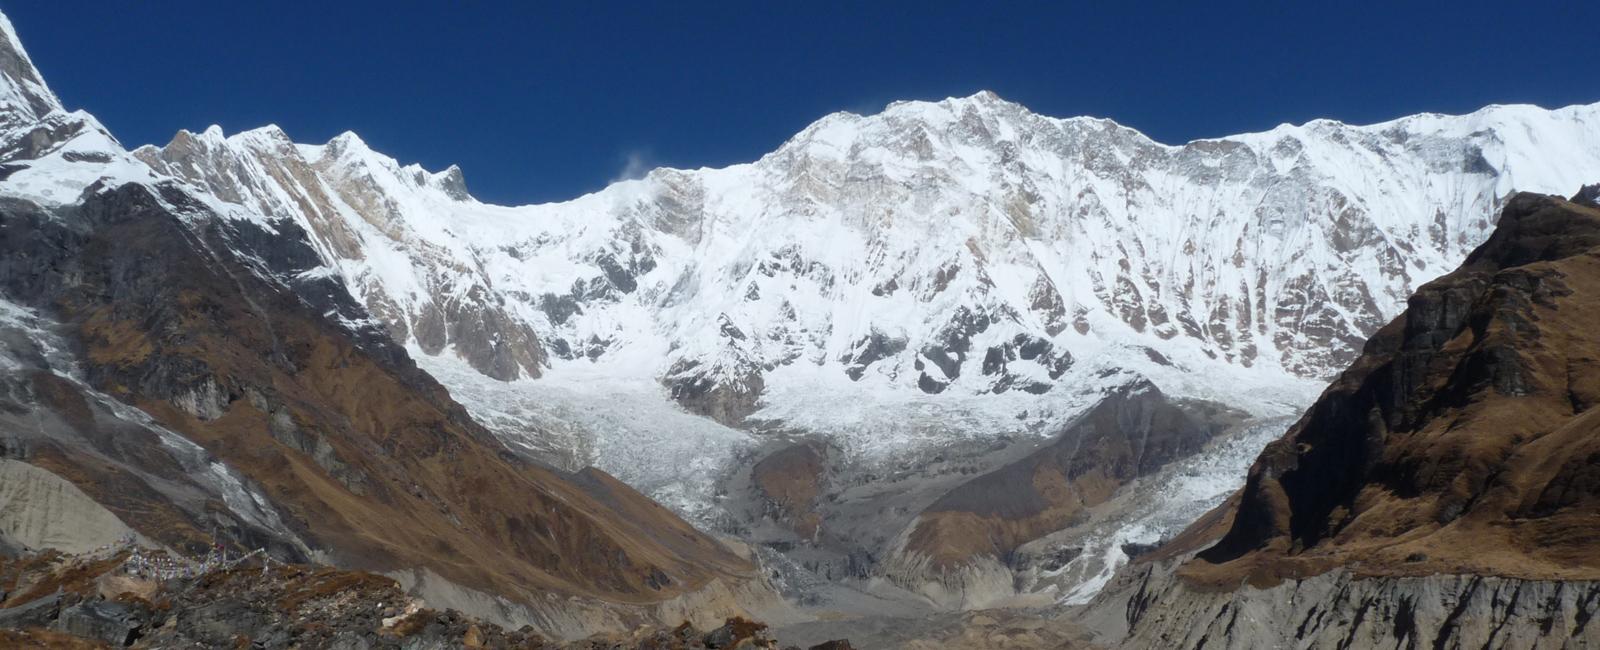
[
  {"x": 789, "y": 482},
  {"x": 1340, "y": 610},
  {"x": 94, "y": 601},
  {"x": 1462, "y": 440},
  {"x": 960, "y": 547},
  {"x": 1439, "y": 494}
]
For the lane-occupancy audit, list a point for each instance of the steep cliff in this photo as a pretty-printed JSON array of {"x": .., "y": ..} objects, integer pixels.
[
  {"x": 961, "y": 548},
  {"x": 1440, "y": 493},
  {"x": 1463, "y": 439}
]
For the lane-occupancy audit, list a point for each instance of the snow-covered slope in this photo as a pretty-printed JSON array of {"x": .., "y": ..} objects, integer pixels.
[{"x": 958, "y": 248}]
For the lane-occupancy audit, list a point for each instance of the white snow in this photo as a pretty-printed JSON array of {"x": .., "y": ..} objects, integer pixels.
[{"x": 780, "y": 267}]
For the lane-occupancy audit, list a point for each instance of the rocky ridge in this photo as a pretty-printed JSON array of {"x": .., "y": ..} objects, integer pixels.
[
  {"x": 963, "y": 546},
  {"x": 99, "y": 600},
  {"x": 1435, "y": 495},
  {"x": 1466, "y": 422},
  {"x": 174, "y": 365}
]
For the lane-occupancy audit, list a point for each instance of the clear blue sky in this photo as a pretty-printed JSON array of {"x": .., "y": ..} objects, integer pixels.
[{"x": 540, "y": 101}]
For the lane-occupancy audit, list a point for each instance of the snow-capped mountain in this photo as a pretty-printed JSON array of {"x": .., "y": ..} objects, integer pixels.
[
  {"x": 937, "y": 274},
  {"x": 940, "y": 273},
  {"x": 963, "y": 247}
]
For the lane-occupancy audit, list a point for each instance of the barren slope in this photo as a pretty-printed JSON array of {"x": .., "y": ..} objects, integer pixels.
[
  {"x": 269, "y": 409},
  {"x": 1463, "y": 439}
]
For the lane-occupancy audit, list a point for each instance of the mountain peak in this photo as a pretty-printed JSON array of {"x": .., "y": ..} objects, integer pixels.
[
  {"x": 22, "y": 88},
  {"x": 453, "y": 183},
  {"x": 348, "y": 139},
  {"x": 984, "y": 101},
  {"x": 349, "y": 147},
  {"x": 986, "y": 96},
  {"x": 268, "y": 131}
]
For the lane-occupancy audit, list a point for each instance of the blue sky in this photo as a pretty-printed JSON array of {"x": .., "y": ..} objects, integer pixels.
[{"x": 542, "y": 101}]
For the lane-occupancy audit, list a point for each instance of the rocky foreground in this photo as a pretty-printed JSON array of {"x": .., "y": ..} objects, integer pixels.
[{"x": 130, "y": 598}]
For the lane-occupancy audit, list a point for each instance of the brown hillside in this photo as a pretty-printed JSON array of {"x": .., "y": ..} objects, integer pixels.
[
  {"x": 1462, "y": 440},
  {"x": 365, "y": 456},
  {"x": 1131, "y": 433}
]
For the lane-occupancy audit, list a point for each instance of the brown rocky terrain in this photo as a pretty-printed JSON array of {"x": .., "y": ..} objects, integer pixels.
[
  {"x": 1020, "y": 629},
  {"x": 983, "y": 521},
  {"x": 1462, "y": 440},
  {"x": 366, "y": 457},
  {"x": 1441, "y": 493},
  {"x": 790, "y": 481},
  {"x": 186, "y": 376},
  {"x": 65, "y": 602}
]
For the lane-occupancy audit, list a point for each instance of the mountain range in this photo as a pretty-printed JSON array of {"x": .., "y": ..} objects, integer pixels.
[
  {"x": 950, "y": 356},
  {"x": 895, "y": 287}
]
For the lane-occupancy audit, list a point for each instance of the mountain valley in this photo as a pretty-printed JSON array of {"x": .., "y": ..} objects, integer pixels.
[{"x": 939, "y": 376}]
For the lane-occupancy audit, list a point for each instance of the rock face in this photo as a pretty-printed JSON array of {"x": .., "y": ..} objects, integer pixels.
[
  {"x": 1466, "y": 424},
  {"x": 1337, "y": 610},
  {"x": 184, "y": 364},
  {"x": 982, "y": 522},
  {"x": 341, "y": 194},
  {"x": 1439, "y": 493},
  {"x": 95, "y": 601},
  {"x": 789, "y": 482}
]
